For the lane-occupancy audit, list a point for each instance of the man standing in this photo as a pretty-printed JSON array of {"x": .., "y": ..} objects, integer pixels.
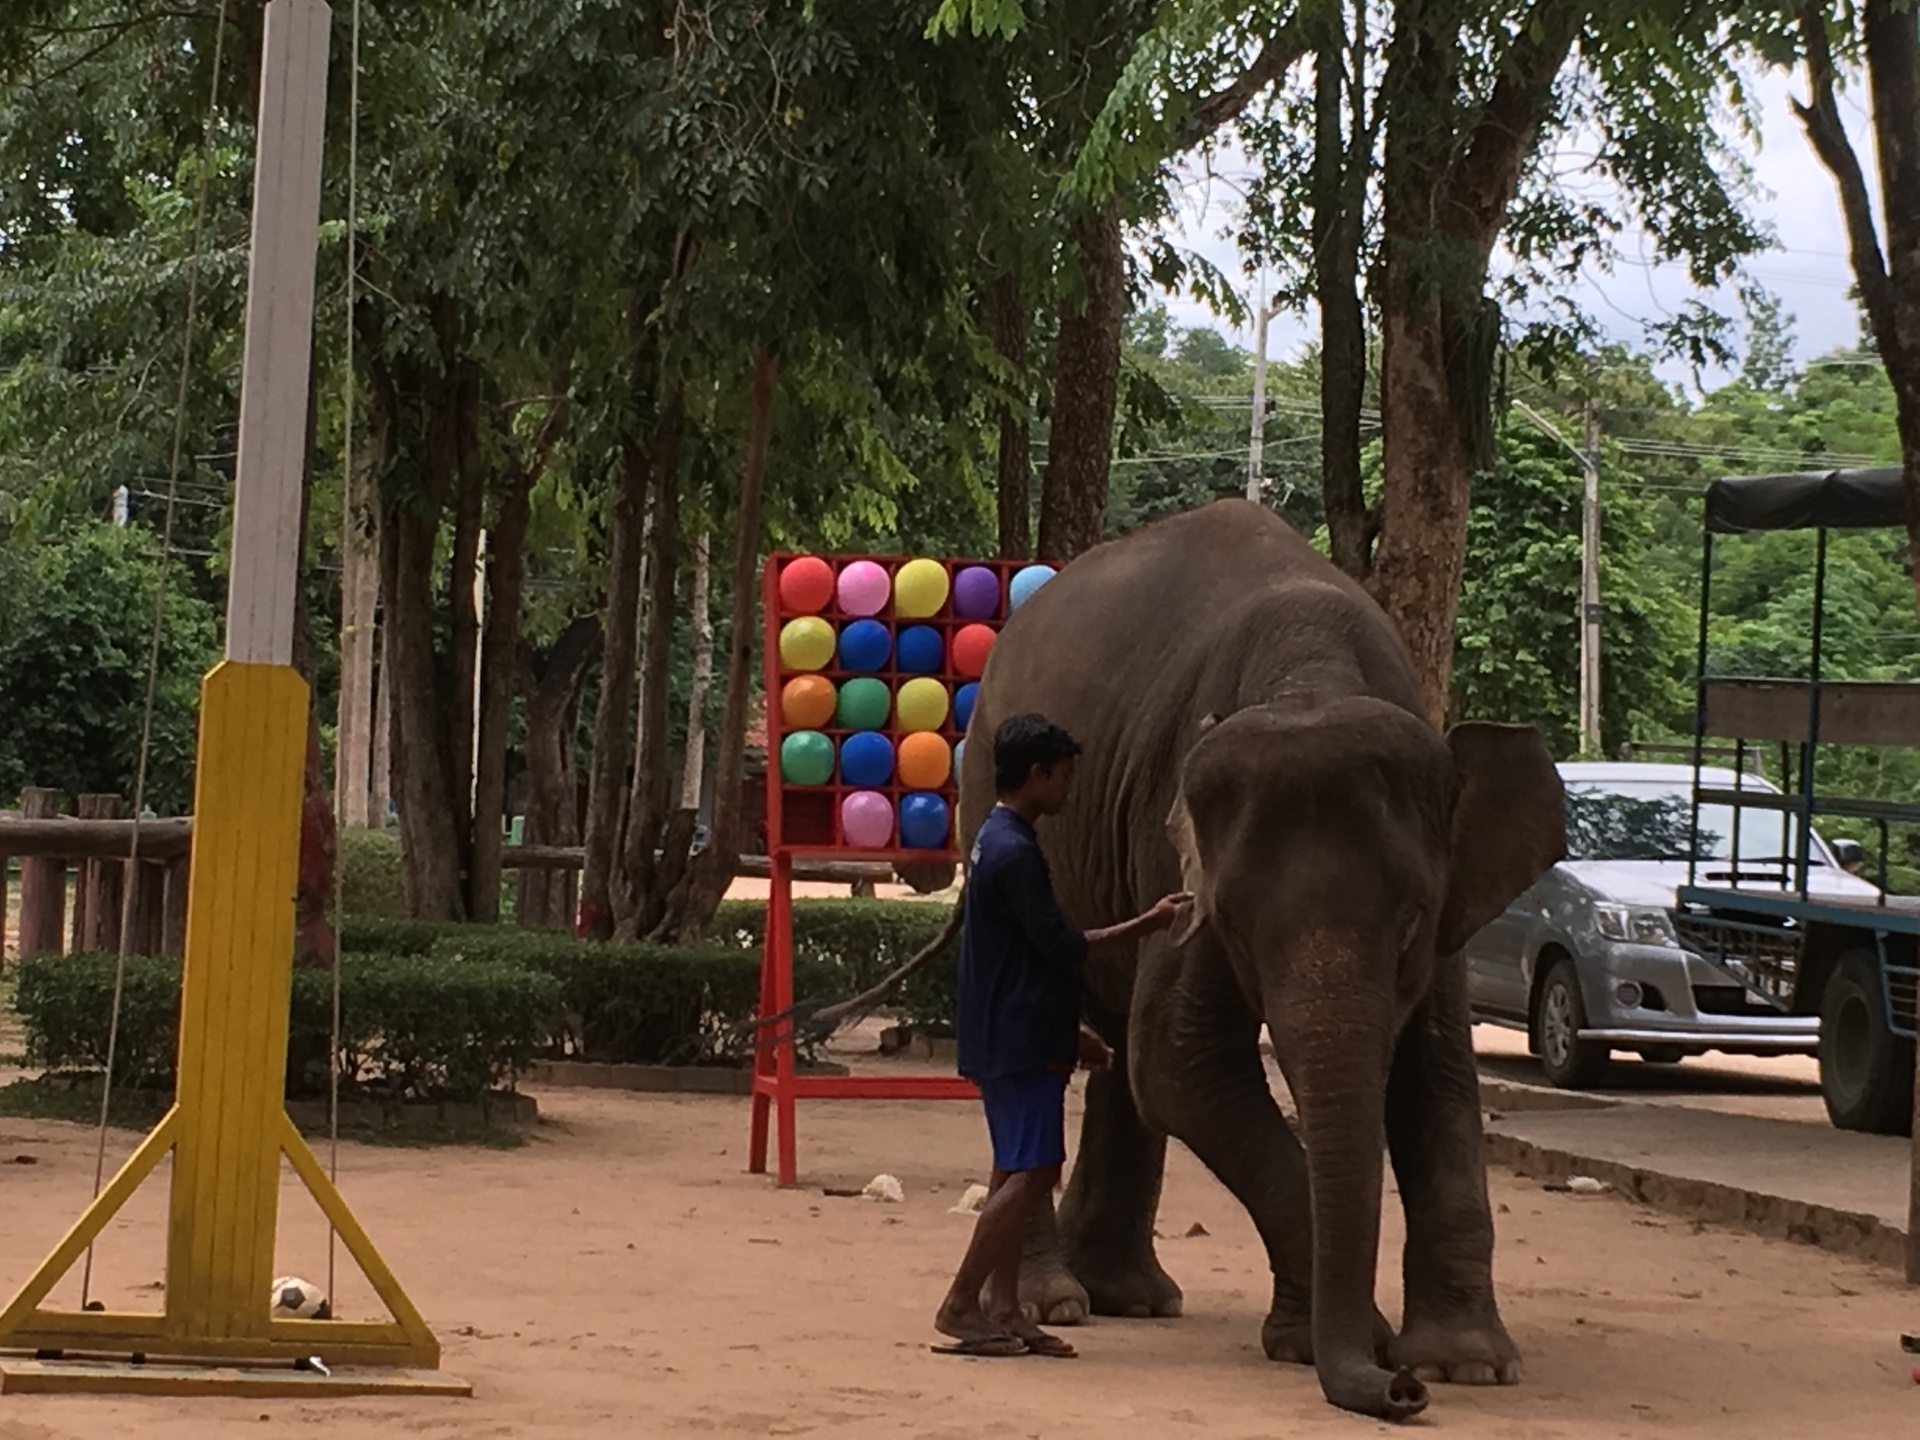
[{"x": 1020, "y": 1034}]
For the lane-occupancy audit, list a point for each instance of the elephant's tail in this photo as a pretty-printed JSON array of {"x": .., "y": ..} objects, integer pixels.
[{"x": 816, "y": 1018}]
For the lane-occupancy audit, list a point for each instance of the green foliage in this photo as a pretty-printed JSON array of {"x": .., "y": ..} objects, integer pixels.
[
  {"x": 76, "y": 618},
  {"x": 1517, "y": 644},
  {"x": 412, "y": 1027},
  {"x": 841, "y": 947},
  {"x": 371, "y": 876}
]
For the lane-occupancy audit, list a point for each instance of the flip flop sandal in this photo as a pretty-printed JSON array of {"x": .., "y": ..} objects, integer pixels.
[
  {"x": 985, "y": 1347},
  {"x": 1050, "y": 1347}
]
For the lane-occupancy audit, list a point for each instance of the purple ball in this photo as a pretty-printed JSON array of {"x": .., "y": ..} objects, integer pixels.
[{"x": 976, "y": 593}]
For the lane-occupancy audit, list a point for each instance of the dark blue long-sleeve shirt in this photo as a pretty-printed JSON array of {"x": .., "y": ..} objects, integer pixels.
[{"x": 1020, "y": 961}]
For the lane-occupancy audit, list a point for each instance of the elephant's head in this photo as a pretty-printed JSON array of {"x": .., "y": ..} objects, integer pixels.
[{"x": 1337, "y": 855}]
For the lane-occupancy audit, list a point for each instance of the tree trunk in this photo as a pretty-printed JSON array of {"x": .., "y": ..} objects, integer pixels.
[
  {"x": 500, "y": 646},
  {"x": 380, "y": 767},
  {"x": 612, "y": 722},
  {"x": 1339, "y": 178},
  {"x": 1086, "y": 383},
  {"x": 1013, "y": 484},
  {"x": 359, "y": 602},
  {"x": 711, "y": 871},
  {"x": 313, "y": 940},
  {"x": 700, "y": 604},
  {"x": 648, "y": 877},
  {"x": 464, "y": 600},
  {"x": 551, "y": 690}
]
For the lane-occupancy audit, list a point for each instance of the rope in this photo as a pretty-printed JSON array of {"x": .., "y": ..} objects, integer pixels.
[
  {"x": 130, "y": 886},
  {"x": 338, "y": 1059}
]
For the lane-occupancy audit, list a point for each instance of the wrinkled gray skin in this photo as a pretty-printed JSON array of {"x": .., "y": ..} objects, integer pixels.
[{"x": 1254, "y": 734}]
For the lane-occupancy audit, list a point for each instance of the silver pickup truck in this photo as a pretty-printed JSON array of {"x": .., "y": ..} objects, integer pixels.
[{"x": 1589, "y": 961}]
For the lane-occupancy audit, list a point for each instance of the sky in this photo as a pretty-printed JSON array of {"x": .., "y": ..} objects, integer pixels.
[{"x": 1807, "y": 269}]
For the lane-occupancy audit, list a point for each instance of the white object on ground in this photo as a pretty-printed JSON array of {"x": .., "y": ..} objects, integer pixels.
[
  {"x": 971, "y": 1201},
  {"x": 884, "y": 1188},
  {"x": 1587, "y": 1185}
]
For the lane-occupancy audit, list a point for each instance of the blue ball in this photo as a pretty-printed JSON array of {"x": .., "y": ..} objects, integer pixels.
[
  {"x": 866, "y": 760},
  {"x": 865, "y": 646},
  {"x": 1026, "y": 582},
  {"x": 963, "y": 702},
  {"x": 925, "y": 822},
  {"x": 921, "y": 650}
]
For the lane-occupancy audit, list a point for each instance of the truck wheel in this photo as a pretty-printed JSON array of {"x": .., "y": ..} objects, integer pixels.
[
  {"x": 1866, "y": 1071},
  {"x": 1559, "y": 1014}
]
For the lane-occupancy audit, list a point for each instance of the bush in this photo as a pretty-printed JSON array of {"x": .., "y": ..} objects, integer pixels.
[
  {"x": 372, "y": 883},
  {"x": 412, "y": 1027},
  {"x": 630, "y": 1004},
  {"x": 375, "y": 935},
  {"x": 841, "y": 947}
]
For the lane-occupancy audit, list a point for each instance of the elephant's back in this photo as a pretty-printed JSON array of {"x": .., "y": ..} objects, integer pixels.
[{"x": 1137, "y": 640}]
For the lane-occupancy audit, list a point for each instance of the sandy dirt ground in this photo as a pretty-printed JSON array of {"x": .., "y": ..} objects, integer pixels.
[{"x": 622, "y": 1276}]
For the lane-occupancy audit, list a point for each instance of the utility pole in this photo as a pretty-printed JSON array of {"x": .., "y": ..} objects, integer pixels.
[
  {"x": 1256, "y": 439},
  {"x": 1590, "y": 588},
  {"x": 1589, "y": 457}
]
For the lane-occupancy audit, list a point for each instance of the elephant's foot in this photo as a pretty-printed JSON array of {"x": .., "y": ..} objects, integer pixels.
[
  {"x": 1470, "y": 1352},
  {"x": 1133, "y": 1286},
  {"x": 1049, "y": 1293},
  {"x": 1287, "y": 1335}
]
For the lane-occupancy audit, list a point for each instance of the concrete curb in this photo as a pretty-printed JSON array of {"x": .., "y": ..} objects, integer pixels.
[
  {"x": 653, "y": 1079},
  {"x": 1865, "y": 1237}
]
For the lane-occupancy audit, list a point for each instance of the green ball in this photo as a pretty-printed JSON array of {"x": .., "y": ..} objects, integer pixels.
[
  {"x": 806, "y": 758},
  {"x": 865, "y": 705}
]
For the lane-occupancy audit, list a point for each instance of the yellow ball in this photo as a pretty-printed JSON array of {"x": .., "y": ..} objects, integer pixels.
[
  {"x": 920, "y": 589},
  {"x": 921, "y": 705},
  {"x": 806, "y": 643}
]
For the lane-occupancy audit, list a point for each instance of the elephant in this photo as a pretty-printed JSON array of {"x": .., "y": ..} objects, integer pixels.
[{"x": 1254, "y": 735}]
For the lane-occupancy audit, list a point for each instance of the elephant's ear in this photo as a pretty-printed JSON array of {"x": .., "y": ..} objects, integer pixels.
[
  {"x": 1193, "y": 876},
  {"x": 1509, "y": 824}
]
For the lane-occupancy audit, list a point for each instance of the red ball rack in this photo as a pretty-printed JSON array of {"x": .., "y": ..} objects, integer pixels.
[{"x": 803, "y": 821}]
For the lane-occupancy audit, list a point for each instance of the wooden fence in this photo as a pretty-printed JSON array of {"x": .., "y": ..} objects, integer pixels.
[{"x": 82, "y": 858}]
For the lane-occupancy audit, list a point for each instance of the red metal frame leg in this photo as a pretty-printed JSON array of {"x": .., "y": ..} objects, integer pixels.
[
  {"x": 780, "y": 954},
  {"x": 762, "y": 1058}
]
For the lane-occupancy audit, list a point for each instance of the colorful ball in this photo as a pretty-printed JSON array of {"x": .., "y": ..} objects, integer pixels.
[
  {"x": 1026, "y": 582},
  {"x": 806, "y": 644},
  {"x": 921, "y": 705},
  {"x": 865, "y": 645},
  {"x": 976, "y": 593},
  {"x": 806, "y": 585},
  {"x": 924, "y": 822},
  {"x": 964, "y": 699},
  {"x": 864, "y": 588},
  {"x": 864, "y": 705},
  {"x": 807, "y": 702},
  {"x": 866, "y": 760},
  {"x": 920, "y": 589},
  {"x": 806, "y": 758},
  {"x": 970, "y": 647},
  {"x": 866, "y": 820},
  {"x": 926, "y": 761},
  {"x": 921, "y": 650}
]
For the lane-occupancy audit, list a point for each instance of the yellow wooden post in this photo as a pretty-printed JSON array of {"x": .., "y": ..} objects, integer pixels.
[{"x": 228, "y": 1126}]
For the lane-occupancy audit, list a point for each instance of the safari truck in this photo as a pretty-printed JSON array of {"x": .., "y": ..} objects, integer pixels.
[{"x": 1798, "y": 948}]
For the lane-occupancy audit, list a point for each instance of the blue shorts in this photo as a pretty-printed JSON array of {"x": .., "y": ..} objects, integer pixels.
[{"x": 1027, "y": 1118}]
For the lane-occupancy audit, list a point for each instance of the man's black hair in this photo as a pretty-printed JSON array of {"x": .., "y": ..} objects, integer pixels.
[{"x": 1026, "y": 742}]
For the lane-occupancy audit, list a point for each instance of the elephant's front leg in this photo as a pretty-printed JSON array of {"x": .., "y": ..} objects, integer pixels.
[
  {"x": 1098, "y": 1257},
  {"x": 1451, "y": 1330}
]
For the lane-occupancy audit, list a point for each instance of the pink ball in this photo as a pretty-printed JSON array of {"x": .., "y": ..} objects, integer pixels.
[
  {"x": 866, "y": 820},
  {"x": 865, "y": 588}
]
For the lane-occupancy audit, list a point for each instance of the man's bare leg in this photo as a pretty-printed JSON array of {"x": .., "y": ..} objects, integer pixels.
[{"x": 993, "y": 1256}]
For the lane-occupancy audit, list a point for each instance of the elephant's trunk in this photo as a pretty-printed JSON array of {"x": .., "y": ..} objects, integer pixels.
[{"x": 1337, "y": 1039}]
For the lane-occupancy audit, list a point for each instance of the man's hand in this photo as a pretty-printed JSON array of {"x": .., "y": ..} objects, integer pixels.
[
  {"x": 1095, "y": 1053},
  {"x": 1165, "y": 911}
]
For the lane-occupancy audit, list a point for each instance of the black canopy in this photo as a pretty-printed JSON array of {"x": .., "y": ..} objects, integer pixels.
[{"x": 1809, "y": 500}]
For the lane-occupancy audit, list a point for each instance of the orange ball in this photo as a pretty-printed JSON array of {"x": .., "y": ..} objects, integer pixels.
[
  {"x": 971, "y": 644},
  {"x": 925, "y": 761},
  {"x": 807, "y": 703},
  {"x": 806, "y": 585}
]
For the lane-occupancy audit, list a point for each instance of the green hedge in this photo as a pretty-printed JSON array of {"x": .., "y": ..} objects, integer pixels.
[
  {"x": 840, "y": 947},
  {"x": 372, "y": 880},
  {"x": 412, "y": 1027}
]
